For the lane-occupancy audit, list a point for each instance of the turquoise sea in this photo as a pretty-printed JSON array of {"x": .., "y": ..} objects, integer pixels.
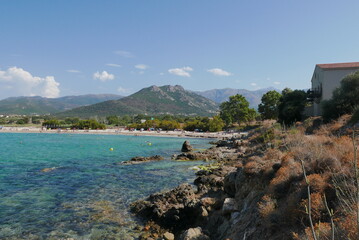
[{"x": 84, "y": 194}]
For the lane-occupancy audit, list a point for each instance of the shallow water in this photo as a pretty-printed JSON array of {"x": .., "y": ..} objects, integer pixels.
[{"x": 83, "y": 194}]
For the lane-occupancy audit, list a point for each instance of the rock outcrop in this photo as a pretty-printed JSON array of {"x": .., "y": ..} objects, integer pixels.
[
  {"x": 176, "y": 209},
  {"x": 186, "y": 147}
]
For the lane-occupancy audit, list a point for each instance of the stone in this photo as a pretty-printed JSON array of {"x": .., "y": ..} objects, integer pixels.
[
  {"x": 229, "y": 205},
  {"x": 186, "y": 147},
  {"x": 204, "y": 212},
  {"x": 194, "y": 234},
  {"x": 168, "y": 236},
  {"x": 208, "y": 201}
]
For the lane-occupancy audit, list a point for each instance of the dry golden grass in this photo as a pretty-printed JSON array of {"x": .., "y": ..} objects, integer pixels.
[{"x": 326, "y": 154}]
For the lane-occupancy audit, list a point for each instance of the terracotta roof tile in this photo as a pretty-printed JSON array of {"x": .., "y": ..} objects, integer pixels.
[{"x": 339, "y": 65}]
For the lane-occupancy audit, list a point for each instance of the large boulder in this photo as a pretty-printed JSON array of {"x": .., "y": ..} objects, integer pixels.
[{"x": 186, "y": 147}]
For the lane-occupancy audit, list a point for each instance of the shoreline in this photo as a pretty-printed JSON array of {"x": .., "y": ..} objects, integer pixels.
[{"x": 215, "y": 135}]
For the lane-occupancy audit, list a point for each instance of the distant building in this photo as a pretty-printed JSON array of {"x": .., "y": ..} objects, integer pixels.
[{"x": 326, "y": 78}]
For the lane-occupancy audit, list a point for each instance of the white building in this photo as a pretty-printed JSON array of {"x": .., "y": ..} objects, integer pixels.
[{"x": 326, "y": 78}]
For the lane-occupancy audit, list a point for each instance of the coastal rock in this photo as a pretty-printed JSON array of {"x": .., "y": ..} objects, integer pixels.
[
  {"x": 137, "y": 160},
  {"x": 193, "y": 156},
  {"x": 178, "y": 207},
  {"x": 208, "y": 201},
  {"x": 194, "y": 234},
  {"x": 212, "y": 180},
  {"x": 222, "y": 143},
  {"x": 229, "y": 205},
  {"x": 229, "y": 183},
  {"x": 186, "y": 147}
]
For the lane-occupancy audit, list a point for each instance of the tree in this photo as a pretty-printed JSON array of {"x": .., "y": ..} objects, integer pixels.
[
  {"x": 268, "y": 108},
  {"x": 345, "y": 98},
  {"x": 24, "y": 120},
  {"x": 216, "y": 124},
  {"x": 169, "y": 125},
  {"x": 52, "y": 123},
  {"x": 291, "y": 106},
  {"x": 236, "y": 110},
  {"x": 89, "y": 124},
  {"x": 112, "y": 120}
]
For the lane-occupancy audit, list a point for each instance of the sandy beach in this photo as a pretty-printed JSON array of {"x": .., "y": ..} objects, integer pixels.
[{"x": 217, "y": 135}]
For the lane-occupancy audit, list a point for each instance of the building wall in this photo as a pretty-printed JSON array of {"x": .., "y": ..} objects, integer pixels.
[
  {"x": 317, "y": 84},
  {"x": 327, "y": 80}
]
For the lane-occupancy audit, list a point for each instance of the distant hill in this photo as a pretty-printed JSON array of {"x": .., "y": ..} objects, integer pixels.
[
  {"x": 153, "y": 101},
  {"x": 222, "y": 95},
  {"x": 40, "y": 105}
]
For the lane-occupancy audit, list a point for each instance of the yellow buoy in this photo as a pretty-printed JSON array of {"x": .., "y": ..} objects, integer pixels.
[
  {"x": 149, "y": 144},
  {"x": 111, "y": 149}
]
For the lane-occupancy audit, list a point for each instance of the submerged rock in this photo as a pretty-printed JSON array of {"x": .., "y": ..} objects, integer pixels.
[
  {"x": 186, "y": 147},
  {"x": 48, "y": 169},
  {"x": 137, "y": 160}
]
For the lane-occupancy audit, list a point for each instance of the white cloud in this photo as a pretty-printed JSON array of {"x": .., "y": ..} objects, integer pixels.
[
  {"x": 219, "y": 72},
  {"x": 183, "y": 72},
  {"x": 73, "y": 71},
  {"x": 103, "y": 76},
  {"x": 141, "y": 66},
  {"x": 125, "y": 54},
  {"x": 162, "y": 74},
  {"x": 123, "y": 90},
  {"x": 276, "y": 83},
  {"x": 253, "y": 84},
  {"x": 16, "y": 81},
  {"x": 113, "y": 65}
]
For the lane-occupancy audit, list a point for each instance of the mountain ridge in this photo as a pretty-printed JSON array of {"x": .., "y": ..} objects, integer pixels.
[
  {"x": 33, "y": 105},
  {"x": 154, "y": 100}
]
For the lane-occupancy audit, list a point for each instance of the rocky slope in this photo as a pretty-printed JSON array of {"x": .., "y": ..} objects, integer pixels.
[{"x": 258, "y": 190}]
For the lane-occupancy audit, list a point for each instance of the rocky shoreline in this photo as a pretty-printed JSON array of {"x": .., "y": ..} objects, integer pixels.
[{"x": 203, "y": 211}]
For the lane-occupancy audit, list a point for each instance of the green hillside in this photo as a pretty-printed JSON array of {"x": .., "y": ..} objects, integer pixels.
[
  {"x": 40, "y": 105},
  {"x": 152, "y": 100}
]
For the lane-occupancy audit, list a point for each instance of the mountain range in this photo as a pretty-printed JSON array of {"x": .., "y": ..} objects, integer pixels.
[
  {"x": 41, "y": 105},
  {"x": 222, "y": 95},
  {"x": 153, "y": 100}
]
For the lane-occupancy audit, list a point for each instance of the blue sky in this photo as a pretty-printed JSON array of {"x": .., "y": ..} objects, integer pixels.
[{"x": 58, "y": 48}]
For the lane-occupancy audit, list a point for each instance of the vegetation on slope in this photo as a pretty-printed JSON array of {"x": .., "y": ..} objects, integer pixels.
[
  {"x": 153, "y": 100},
  {"x": 41, "y": 105}
]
